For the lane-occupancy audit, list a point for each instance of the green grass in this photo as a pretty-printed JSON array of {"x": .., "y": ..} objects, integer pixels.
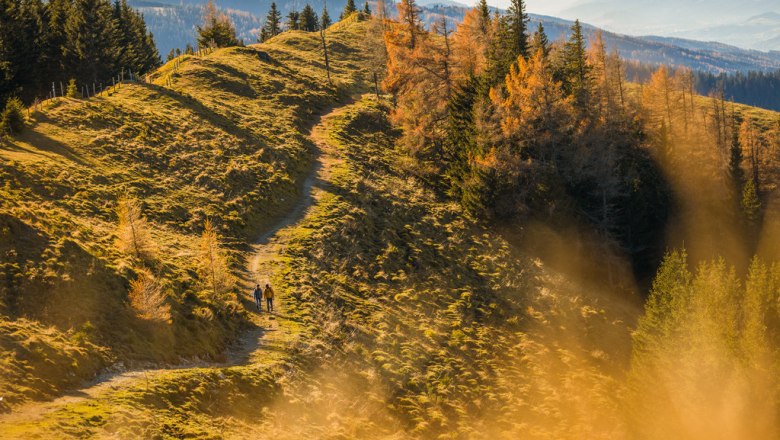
[
  {"x": 402, "y": 316},
  {"x": 427, "y": 324},
  {"x": 225, "y": 142}
]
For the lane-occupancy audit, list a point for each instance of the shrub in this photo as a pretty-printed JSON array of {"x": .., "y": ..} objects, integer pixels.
[
  {"x": 149, "y": 299},
  {"x": 133, "y": 232},
  {"x": 12, "y": 118},
  {"x": 73, "y": 91}
]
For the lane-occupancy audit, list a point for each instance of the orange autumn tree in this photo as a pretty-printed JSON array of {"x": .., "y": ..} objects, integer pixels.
[
  {"x": 420, "y": 75},
  {"x": 533, "y": 112},
  {"x": 470, "y": 43}
]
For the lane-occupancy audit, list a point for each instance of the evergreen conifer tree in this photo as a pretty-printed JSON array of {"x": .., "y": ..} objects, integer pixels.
[
  {"x": 293, "y": 21},
  {"x": 217, "y": 29},
  {"x": 348, "y": 9},
  {"x": 540, "y": 41},
  {"x": 517, "y": 21},
  {"x": 309, "y": 21},
  {"x": 325, "y": 20},
  {"x": 91, "y": 40},
  {"x": 576, "y": 70},
  {"x": 273, "y": 23},
  {"x": 484, "y": 16},
  {"x": 736, "y": 173},
  {"x": 367, "y": 9}
]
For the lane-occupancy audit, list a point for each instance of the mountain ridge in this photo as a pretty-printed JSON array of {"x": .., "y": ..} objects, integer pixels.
[{"x": 174, "y": 27}]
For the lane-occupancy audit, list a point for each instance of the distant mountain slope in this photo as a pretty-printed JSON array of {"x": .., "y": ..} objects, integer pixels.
[
  {"x": 746, "y": 23},
  {"x": 174, "y": 26},
  {"x": 706, "y": 56},
  {"x": 758, "y": 32}
]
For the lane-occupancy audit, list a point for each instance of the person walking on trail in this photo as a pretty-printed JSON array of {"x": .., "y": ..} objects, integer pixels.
[
  {"x": 258, "y": 294},
  {"x": 269, "y": 297}
]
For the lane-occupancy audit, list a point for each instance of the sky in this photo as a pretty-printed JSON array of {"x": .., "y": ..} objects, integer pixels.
[
  {"x": 751, "y": 24},
  {"x": 544, "y": 7}
]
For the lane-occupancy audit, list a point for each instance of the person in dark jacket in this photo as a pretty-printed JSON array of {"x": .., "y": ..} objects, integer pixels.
[{"x": 258, "y": 294}]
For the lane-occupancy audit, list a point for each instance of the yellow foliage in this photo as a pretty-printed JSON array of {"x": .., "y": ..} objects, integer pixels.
[
  {"x": 213, "y": 268},
  {"x": 148, "y": 298},
  {"x": 133, "y": 233}
]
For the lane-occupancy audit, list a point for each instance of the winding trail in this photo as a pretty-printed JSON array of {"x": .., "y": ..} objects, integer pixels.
[{"x": 263, "y": 343}]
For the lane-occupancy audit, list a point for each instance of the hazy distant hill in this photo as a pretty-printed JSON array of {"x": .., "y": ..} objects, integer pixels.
[
  {"x": 706, "y": 56},
  {"x": 746, "y": 23},
  {"x": 758, "y": 32},
  {"x": 174, "y": 26}
]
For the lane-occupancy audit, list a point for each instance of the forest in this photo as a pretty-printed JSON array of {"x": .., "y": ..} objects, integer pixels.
[
  {"x": 46, "y": 42},
  {"x": 755, "y": 88},
  {"x": 521, "y": 127}
]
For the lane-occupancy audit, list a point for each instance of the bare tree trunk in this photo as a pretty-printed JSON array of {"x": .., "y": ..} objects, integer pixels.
[{"x": 325, "y": 51}]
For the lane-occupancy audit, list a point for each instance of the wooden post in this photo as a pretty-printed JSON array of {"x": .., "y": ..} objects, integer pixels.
[
  {"x": 53, "y": 91},
  {"x": 62, "y": 90}
]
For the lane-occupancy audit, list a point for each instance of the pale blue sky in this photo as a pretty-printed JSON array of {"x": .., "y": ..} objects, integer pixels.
[{"x": 545, "y": 7}]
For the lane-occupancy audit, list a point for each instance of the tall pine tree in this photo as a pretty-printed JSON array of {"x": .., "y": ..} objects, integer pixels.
[
  {"x": 540, "y": 42},
  {"x": 273, "y": 23},
  {"x": 576, "y": 71},
  {"x": 325, "y": 20},
  {"x": 293, "y": 21},
  {"x": 91, "y": 33},
  {"x": 309, "y": 21},
  {"x": 349, "y": 8},
  {"x": 517, "y": 22},
  {"x": 217, "y": 29}
]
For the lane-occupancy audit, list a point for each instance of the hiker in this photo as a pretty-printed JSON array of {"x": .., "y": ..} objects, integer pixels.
[
  {"x": 269, "y": 297},
  {"x": 258, "y": 294}
]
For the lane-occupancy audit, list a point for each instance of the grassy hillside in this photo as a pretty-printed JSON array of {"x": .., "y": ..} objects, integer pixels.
[
  {"x": 426, "y": 324},
  {"x": 406, "y": 319},
  {"x": 399, "y": 315},
  {"x": 217, "y": 137}
]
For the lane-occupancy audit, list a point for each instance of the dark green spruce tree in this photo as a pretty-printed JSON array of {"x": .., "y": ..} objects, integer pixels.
[
  {"x": 293, "y": 21},
  {"x": 325, "y": 20},
  {"x": 484, "y": 17},
  {"x": 575, "y": 68},
  {"x": 217, "y": 29},
  {"x": 309, "y": 21},
  {"x": 540, "y": 42},
  {"x": 517, "y": 22},
  {"x": 90, "y": 51},
  {"x": 349, "y": 8},
  {"x": 367, "y": 9},
  {"x": 273, "y": 23}
]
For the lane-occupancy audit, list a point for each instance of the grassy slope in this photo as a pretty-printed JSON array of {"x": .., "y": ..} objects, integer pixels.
[
  {"x": 413, "y": 320},
  {"x": 223, "y": 142},
  {"x": 425, "y": 323}
]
